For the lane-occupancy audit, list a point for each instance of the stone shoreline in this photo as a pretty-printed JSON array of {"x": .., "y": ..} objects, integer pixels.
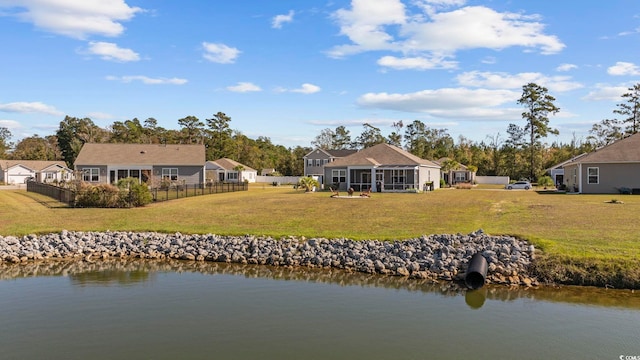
[{"x": 435, "y": 257}]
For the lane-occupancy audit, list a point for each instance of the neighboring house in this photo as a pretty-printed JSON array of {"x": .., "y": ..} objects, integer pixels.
[
  {"x": 556, "y": 172},
  {"x": 607, "y": 169},
  {"x": 316, "y": 159},
  {"x": 19, "y": 171},
  {"x": 267, "y": 171},
  {"x": 459, "y": 174},
  {"x": 382, "y": 167},
  {"x": 228, "y": 170},
  {"x": 150, "y": 163}
]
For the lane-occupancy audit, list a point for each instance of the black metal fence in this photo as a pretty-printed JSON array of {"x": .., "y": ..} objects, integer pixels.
[
  {"x": 68, "y": 196},
  {"x": 64, "y": 195},
  {"x": 188, "y": 190}
]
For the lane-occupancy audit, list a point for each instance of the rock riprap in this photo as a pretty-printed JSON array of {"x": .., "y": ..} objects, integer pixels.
[{"x": 436, "y": 257}]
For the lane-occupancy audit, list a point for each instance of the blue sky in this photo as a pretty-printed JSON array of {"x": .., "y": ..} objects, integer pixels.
[{"x": 288, "y": 69}]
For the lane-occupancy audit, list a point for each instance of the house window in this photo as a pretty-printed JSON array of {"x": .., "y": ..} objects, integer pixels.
[
  {"x": 309, "y": 162},
  {"x": 318, "y": 162},
  {"x": 170, "y": 174},
  {"x": 232, "y": 175},
  {"x": 49, "y": 176},
  {"x": 324, "y": 161},
  {"x": 593, "y": 175},
  {"x": 398, "y": 176},
  {"x": 460, "y": 177},
  {"x": 339, "y": 176},
  {"x": 91, "y": 175}
]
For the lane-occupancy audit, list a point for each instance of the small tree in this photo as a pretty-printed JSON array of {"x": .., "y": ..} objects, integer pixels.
[
  {"x": 133, "y": 193},
  {"x": 308, "y": 183}
]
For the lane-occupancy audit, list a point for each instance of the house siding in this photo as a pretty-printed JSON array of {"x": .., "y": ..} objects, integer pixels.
[
  {"x": 188, "y": 175},
  {"x": 611, "y": 177},
  {"x": 316, "y": 168}
]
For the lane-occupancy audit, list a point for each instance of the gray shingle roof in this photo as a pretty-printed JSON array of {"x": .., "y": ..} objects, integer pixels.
[
  {"x": 228, "y": 164},
  {"x": 625, "y": 150},
  {"x": 141, "y": 154},
  {"x": 35, "y": 165},
  {"x": 381, "y": 155}
]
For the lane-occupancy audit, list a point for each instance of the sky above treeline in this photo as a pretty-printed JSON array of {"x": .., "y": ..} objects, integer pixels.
[{"x": 288, "y": 69}]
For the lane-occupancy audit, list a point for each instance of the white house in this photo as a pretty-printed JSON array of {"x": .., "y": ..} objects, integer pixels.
[
  {"x": 19, "y": 171},
  {"x": 228, "y": 170}
]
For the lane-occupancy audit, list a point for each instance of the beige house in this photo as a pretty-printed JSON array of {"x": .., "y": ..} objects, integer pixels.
[
  {"x": 382, "y": 167},
  {"x": 227, "y": 170},
  {"x": 607, "y": 170},
  {"x": 150, "y": 163},
  {"x": 459, "y": 174},
  {"x": 20, "y": 171},
  {"x": 316, "y": 159}
]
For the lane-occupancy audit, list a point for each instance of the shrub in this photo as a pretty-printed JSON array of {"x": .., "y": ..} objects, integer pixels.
[
  {"x": 133, "y": 193},
  {"x": 545, "y": 181},
  {"x": 443, "y": 184},
  {"x": 103, "y": 195},
  {"x": 465, "y": 186}
]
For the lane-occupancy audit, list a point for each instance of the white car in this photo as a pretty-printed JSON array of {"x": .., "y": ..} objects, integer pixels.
[{"x": 519, "y": 185}]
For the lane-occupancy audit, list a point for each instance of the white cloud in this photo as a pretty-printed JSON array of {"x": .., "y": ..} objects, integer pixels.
[
  {"x": 99, "y": 115},
  {"x": 244, "y": 87},
  {"x": 278, "y": 20},
  {"x": 386, "y": 25},
  {"x": 10, "y": 124},
  {"x": 566, "y": 67},
  {"x": 624, "y": 68},
  {"x": 110, "y": 51},
  {"x": 446, "y": 102},
  {"x": 30, "y": 107},
  {"x": 500, "y": 80},
  {"x": 73, "y": 18},
  {"x": 220, "y": 53},
  {"x": 606, "y": 92},
  {"x": 147, "y": 80},
  {"x": 418, "y": 63},
  {"x": 307, "y": 89}
]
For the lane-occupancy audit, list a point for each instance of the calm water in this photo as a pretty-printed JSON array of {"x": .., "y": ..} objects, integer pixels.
[{"x": 186, "y": 310}]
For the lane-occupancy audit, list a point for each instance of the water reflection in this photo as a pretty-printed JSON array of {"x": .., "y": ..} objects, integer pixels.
[{"x": 135, "y": 272}]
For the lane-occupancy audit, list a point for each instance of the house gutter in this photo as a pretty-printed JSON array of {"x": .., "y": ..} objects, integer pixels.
[{"x": 579, "y": 178}]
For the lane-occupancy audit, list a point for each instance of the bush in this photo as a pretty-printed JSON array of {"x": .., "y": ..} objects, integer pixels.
[
  {"x": 545, "y": 181},
  {"x": 443, "y": 184},
  {"x": 133, "y": 193},
  {"x": 128, "y": 193},
  {"x": 103, "y": 195},
  {"x": 464, "y": 185}
]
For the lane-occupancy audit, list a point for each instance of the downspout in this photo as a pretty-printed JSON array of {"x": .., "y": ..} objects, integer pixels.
[
  {"x": 373, "y": 185},
  {"x": 580, "y": 178},
  {"x": 348, "y": 177}
]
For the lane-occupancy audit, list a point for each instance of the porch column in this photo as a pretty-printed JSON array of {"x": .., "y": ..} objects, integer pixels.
[{"x": 373, "y": 186}]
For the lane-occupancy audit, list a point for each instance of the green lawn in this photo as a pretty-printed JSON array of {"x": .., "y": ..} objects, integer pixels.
[{"x": 574, "y": 231}]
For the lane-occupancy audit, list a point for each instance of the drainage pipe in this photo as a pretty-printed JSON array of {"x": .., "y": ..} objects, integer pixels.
[{"x": 476, "y": 272}]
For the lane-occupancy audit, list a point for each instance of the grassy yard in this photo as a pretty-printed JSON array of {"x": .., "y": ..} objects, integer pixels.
[{"x": 581, "y": 236}]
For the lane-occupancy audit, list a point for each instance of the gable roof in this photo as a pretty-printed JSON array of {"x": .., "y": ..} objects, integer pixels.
[
  {"x": 141, "y": 154},
  {"x": 624, "y": 150},
  {"x": 458, "y": 168},
  {"x": 228, "y": 164},
  {"x": 340, "y": 153},
  {"x": 34, "y": 165},
  {"x": 381, "y": 155},
  {"x": 560, "y": 165}
]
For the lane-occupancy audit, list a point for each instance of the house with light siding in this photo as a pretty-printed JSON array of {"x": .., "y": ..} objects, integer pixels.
[
  {"x": 150, "y": 163},
  {"x": 606, "y": 170},
  {"x": 227, "y": 170},
  {"x": 382, "y": 168},
  {"x": 19, "y": 171}
]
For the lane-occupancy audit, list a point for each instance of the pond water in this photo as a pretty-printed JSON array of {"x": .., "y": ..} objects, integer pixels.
[{"x": 196, "y": 310}]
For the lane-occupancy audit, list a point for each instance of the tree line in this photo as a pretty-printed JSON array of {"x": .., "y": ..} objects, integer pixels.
[{"x": 520, "y": 153}]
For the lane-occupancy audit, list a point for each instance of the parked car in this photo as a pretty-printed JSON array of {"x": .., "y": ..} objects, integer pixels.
[{"x": 519, "y": 185}]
